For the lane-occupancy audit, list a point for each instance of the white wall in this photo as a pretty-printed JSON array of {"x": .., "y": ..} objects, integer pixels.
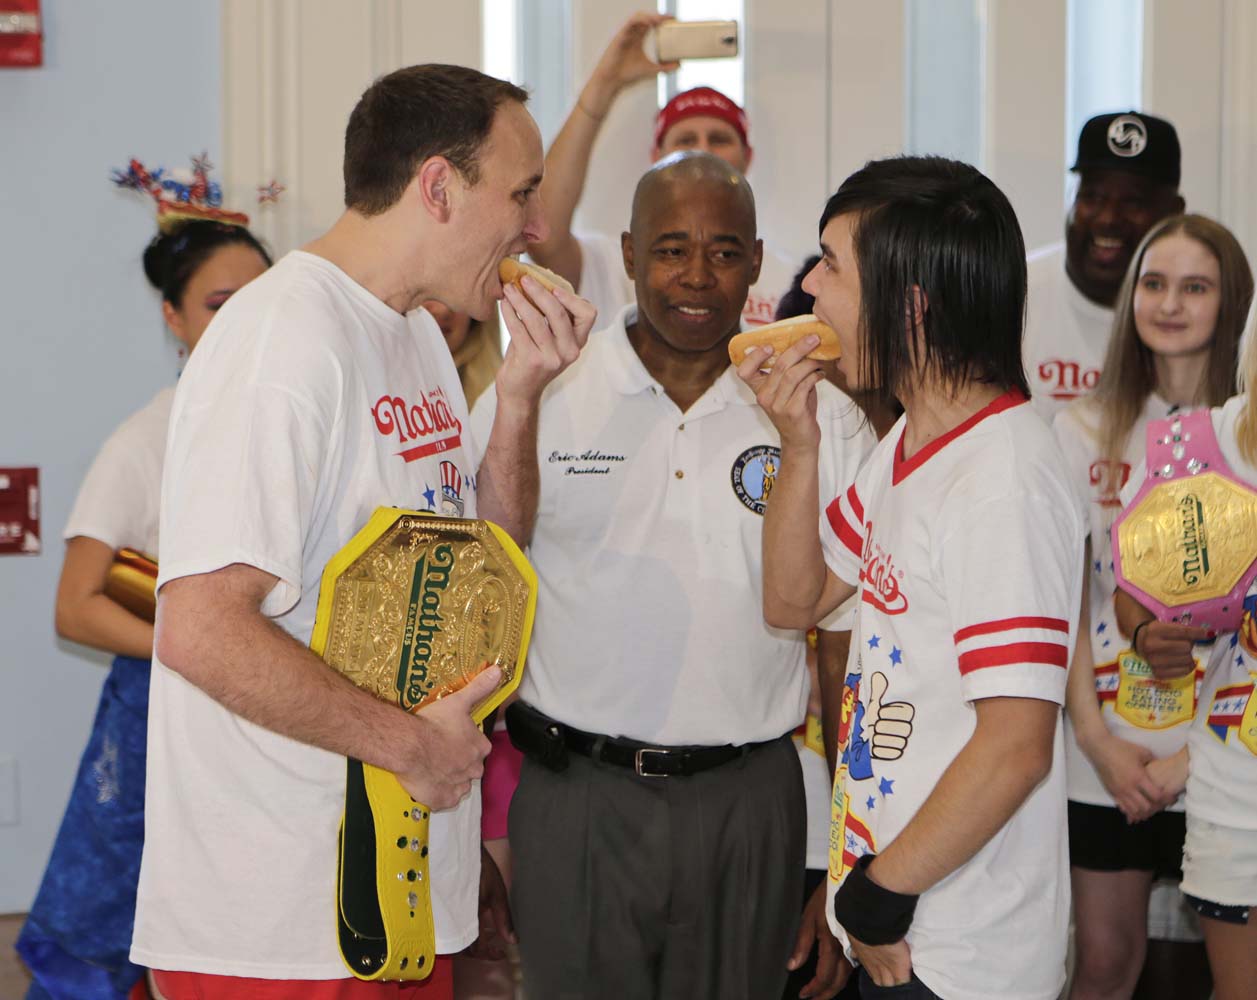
[{"x": 83, "y": 341}]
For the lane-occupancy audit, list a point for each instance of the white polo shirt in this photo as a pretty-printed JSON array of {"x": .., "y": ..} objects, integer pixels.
[
  {"x": 604, "y": 283},
  {"x": 1066, "y": 337},
  {"x": 647, "y": 546}
]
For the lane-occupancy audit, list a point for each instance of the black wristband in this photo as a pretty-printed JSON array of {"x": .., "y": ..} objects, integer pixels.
[
  {"x": 1134, "y": 636},
  {"x": 870, "y": 913}
]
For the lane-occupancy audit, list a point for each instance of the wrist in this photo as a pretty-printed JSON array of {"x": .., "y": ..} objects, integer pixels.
[
  {"x": 597, "y": 95},
  {"x": 1134, "y": 635},
  {"x": 869, "y": 912}
]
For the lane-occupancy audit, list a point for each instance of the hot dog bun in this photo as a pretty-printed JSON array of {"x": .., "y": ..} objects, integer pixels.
[
  {"x": 512, "y": 272},
  {"x": 781, "y": 335}
]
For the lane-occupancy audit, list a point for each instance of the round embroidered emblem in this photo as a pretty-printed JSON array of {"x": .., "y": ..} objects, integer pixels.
[
  {"x": 1127, "y": 136},
  {"x": 753, "y": 475}
]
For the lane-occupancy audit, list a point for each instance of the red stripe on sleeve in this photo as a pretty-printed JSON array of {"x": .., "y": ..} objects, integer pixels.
[
  {"x": 1050, "y": 653},
  {"x": 1006, "y": 624},
  {"x": 846, "y": 534},
  {"x": 857, "y": 508}
]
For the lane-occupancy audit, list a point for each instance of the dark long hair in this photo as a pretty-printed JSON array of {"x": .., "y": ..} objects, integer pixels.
[
  {"x": 171, "y": 259},
  {"x": 943, "y": 227}
]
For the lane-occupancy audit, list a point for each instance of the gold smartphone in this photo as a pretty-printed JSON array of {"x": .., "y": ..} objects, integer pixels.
[{"x": 676, "y": 40}]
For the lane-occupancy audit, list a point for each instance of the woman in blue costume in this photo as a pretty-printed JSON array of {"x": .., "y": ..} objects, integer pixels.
[{"x": 78, "y": 935}]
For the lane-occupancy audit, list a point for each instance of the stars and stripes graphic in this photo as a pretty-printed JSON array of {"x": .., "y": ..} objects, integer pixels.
[
  {"x": 1108, "y": 678},
  {"x": 1228, "y": 707},
  {"x": 857, "y": 841},
  {"x": 1028, "y": 639}
]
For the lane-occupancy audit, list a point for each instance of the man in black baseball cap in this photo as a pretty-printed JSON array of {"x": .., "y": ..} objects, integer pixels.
[{"x": 1128, "y": 165}]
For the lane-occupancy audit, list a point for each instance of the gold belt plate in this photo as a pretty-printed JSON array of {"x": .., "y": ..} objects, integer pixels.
[
  {"x": 1190, "y": 539},
  {"x": 416, "y": 605}
]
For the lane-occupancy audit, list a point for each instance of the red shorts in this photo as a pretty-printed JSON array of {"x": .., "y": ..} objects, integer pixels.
[{"x": 198, "y": 986}]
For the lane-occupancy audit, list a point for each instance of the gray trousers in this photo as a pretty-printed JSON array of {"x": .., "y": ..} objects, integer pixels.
[{"x": 631, "y": 888}]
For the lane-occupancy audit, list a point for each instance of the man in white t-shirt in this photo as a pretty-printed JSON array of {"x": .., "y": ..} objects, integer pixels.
[
  {"x": 948, "y": 862},
  {"x": 1128, "y": 168},
  {"x": 658, "y": 828},
  {"x": 320, "y": 393},
  {"x": 700, "y": 119}
]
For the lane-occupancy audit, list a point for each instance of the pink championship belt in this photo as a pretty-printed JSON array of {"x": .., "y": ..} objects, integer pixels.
[{"x": 1186, "y": 546}]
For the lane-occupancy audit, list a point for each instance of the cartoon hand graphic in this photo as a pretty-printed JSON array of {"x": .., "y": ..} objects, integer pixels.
[{"x": 886, "y": 726}]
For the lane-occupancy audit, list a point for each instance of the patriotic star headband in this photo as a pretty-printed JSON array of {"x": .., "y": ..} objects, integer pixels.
[{"x": 183, "y": 195}]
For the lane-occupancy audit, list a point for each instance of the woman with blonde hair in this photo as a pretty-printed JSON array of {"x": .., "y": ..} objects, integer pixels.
[
  {"x": 1176, "y": 333},
  {"x": 476, "y": 346}
]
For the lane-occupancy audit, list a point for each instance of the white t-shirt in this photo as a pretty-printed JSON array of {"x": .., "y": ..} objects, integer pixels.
[
  {"x": 968, "y": 558},
  {"x": 1160, "y": 723},
  {"x": 1222, "y": 780},
  {"x": 604, "y": 283},
  {"x": 308, "y": 404},
  {"x": 1066, "y": 334},
  {"x": 647, "y": 547},
  {"x": 118, "y": 501}
]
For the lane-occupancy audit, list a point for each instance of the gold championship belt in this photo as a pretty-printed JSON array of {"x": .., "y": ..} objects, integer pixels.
[
  {"x": 132, "y": 582},
  {"x": 411, "y": 609},
  {"x": 1186, "y": 546}
]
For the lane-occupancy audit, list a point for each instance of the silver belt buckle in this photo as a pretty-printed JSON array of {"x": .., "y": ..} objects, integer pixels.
[{"x": 640, "y": 765}]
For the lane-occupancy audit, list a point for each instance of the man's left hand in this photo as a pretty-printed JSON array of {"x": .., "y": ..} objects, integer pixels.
[
  {"x": 886, "y": 964},
  {"x": 545, "y": 339},
  {"x": 496, "y": 926},
  {"x": 832, "y": 967}
]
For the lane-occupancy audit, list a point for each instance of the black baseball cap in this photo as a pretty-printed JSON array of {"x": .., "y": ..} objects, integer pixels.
[{"x": 1131, "y": 141}]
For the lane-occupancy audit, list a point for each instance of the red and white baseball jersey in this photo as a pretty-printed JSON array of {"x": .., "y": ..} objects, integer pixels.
[{"x": 968, "y": 560}]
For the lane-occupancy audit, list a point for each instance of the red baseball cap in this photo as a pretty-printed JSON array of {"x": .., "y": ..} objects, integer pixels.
[{"x": 704, "y": 102}]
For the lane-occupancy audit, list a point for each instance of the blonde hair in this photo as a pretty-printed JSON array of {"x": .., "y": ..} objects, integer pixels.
[
  {"x": 479, "y": 358},
  {"x": 1246, "y": 382},
  {"x": 1129, "y": 376}
]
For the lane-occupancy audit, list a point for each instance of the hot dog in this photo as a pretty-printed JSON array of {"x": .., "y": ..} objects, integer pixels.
[
  {"x": 781, "y": 335},
  {"x": 512, "y": 271}
]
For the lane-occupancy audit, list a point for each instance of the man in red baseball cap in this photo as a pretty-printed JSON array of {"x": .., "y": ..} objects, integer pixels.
[{"x": 700, "y": 119}]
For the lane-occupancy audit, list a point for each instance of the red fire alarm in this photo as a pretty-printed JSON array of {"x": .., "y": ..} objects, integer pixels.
[
  {"x": 21, "y": 34},
  {"x": 19, "y": 512}
]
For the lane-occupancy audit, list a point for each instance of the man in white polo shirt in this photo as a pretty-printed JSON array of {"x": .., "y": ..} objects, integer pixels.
[
  {"x": 658, "y": 828},
  {"x": 697, "y": 119},
  {"x": 1128, "y": 168}
]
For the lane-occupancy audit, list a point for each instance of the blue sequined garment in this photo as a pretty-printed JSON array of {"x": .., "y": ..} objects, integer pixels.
[{"x": 77, "y": 938}]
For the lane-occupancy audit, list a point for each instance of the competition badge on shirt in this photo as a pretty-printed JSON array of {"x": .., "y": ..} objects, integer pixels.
[
  {"x": 410, "y": 610},
  {"x": 1186, "y": 547},
  {"x": 1141, "y": 699}
]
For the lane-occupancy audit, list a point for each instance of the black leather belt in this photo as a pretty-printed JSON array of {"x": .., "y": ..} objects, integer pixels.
[{"x": 654, "y": 761}]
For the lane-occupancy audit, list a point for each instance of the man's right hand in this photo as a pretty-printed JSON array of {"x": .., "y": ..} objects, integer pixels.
[
  {"x": 624, "y": 62},
  {"x": 1169, "y": 647},
  {"x": 449, "y": 750}
]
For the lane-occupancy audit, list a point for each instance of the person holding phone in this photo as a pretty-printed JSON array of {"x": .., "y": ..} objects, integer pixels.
[{"x": 701, "y": 119}]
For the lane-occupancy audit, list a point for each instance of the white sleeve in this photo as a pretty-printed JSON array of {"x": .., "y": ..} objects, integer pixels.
[
  {"x": 846, "y": 441},
  {"x": 1079, "y": 451},
  {"x": 481, "y": 421},
  {"x": 602, "y": 278},
  {"x": 243, "y": 472},
  {"x": 118, "y": 500},
  {"x": 1012, "y": 572}
]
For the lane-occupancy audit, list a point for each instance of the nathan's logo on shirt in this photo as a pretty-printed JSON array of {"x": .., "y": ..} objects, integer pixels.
[
  {"x": 759, "y": 309},
  {"x": 1195, "y": 539},
  {"x": 1062, "y": 379},
  {"x": 753, "y": 474},
  {"x": 430, "y": 423},
  {"x": 451, "y": 490},
  {"x": 423, "y": 625},
  {"x": 1107, "y": 480},
  {"x": 881, "y": 579}
]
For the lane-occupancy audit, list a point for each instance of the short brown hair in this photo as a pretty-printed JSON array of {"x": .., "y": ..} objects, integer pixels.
[{"x": 413, "y": 114}]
